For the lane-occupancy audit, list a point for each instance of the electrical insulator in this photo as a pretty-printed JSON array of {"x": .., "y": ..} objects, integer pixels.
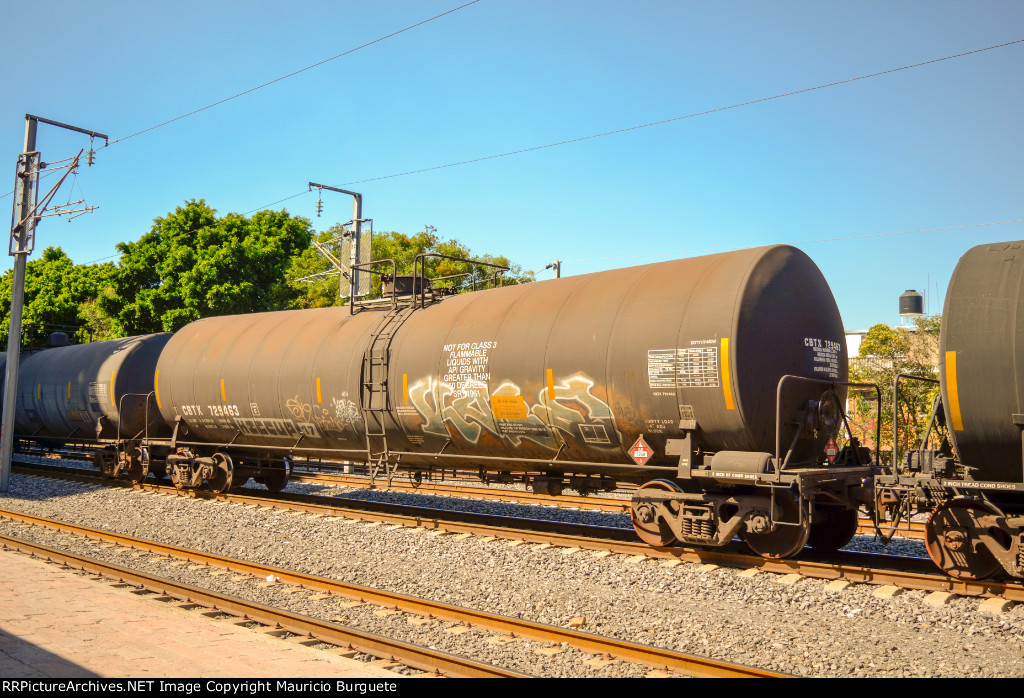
[
  {"x": 90, "y": 157},
  {"x": 319, "y": 207}
]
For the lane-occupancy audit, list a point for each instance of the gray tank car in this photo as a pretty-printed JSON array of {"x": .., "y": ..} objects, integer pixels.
[{"x": 99, "y": 392}]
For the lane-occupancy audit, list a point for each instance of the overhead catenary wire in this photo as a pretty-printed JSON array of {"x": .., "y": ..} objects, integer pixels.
[
  {"x": 293, "y": 73},
  {"x": 691, "y": 253},
  {"x": 553, "y": 144},
  {"x": 731, "y": 249},
  {"x": 663, "y": 121},
  {"x": 109, "y": 143}
]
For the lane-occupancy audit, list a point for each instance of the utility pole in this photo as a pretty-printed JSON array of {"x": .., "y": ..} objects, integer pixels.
[
  {"x": 354, "y": 251},
  {"x": 557, "y": 266},
  {"x": 27, "y": 212}
]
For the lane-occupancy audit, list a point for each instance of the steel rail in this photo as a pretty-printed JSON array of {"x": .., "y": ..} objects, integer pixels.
[
  {"x": 856, "y": 568},
  {"x": 594, "y": 502},
  {"x": 865, "y": 526},
  {"x": 440, "y": 663},
  {"x": 620, "y": 649},
  {"x": 913, "y": 531}
]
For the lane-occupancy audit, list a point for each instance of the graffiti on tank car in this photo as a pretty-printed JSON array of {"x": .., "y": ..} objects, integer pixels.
[
  {"x": 321, "y": 417},
  {"x": 275, "y": 428},
  {"x": 465, "y": 412},
  {"x": 579, "y": 413},
  {"x": 575, "y": 412},
  {"x": 346, "y": 411}
]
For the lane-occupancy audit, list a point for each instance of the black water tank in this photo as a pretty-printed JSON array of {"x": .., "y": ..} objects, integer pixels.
[{"x": 911, "y": 303}]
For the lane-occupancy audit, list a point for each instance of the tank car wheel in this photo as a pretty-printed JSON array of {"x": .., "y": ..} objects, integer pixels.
[
  {"x": 786, "y": 540},
  {"x": 138, "y": 464},
  {"x": 175, "y": 480},
  {"x": 949, "y": 541},
  {"x": 105, "y": 459},
  {"x": 655, "y": 533},
  {"x": 833, "y": 527},
  {"x": 221, "y": 480},
  {"x": 276, "y": 479}
]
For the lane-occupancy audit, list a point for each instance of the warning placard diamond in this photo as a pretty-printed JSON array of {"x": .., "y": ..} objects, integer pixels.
[{"x": 640, "y": 451}]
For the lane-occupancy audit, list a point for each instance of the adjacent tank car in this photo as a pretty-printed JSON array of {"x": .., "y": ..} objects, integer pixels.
[{"x": 973, "y": 483}]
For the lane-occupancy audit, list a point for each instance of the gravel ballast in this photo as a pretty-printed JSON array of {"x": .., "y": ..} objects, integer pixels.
[{"x": 801, "y": 628}]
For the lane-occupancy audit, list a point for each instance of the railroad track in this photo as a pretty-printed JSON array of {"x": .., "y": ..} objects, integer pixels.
[
  {"x": 422, "y": 658},
  {"x": 912, "y": 530},
  {"x": 864, "y": 568},
  {"x": 464, "y": 490}
]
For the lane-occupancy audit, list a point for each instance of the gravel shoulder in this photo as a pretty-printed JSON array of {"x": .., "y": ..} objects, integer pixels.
[{"x": 800, "y": 628}]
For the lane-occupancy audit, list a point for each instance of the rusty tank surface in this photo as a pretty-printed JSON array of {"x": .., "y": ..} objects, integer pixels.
[{"x": 570, "y": 371}]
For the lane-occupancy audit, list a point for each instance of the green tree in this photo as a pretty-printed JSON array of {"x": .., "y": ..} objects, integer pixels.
[
  {"x": 193, "y": 264},
  {"x": 403, "y": 249},
  {"x": 885, "y": 353},
  {"x": 56, "y": 294}
]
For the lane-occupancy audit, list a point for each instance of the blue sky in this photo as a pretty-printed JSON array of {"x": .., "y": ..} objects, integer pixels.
[{"x": 933, "y": 147}]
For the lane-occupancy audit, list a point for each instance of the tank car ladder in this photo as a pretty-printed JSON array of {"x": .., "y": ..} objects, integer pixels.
[{"x": 375, "y": 397}]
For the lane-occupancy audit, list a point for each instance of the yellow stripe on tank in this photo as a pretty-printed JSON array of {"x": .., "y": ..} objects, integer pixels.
[
  {"x": 69, "y": 390},
  {"x": 551, "y": 384},
  {"x": 156, "y": 388},
  {"x": 318, "y": 398},
  {"x": 726, "y": 378},
  {"x": 951, "y": 391},
  {"x": 405, "y": 386},
  {"x": 223, "y": 394},
  {"x": 112, "y": 374}
]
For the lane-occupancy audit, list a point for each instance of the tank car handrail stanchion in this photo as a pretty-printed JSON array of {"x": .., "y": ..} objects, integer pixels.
[
  {"x": 367, "y": 267},
  {"x": 144, "y": 432},
  {"x": 895, "y": 412},
  {"x": 936, "y": 405},
  {"x": 878, "y": 416},
  {"x": 778, "y": 416}
]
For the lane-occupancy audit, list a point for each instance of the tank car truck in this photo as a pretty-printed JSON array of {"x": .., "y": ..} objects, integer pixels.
[{"x": 972, "y": 485}]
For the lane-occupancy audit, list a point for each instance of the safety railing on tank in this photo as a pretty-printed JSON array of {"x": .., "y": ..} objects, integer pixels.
[
  {"x": 896, "y": 412},
  {"x": 368, "y": 267},
  {"x": 419, "y": 272},
  {"x": 120, "y": 411},
  {"x": 831, "y": 388}
]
